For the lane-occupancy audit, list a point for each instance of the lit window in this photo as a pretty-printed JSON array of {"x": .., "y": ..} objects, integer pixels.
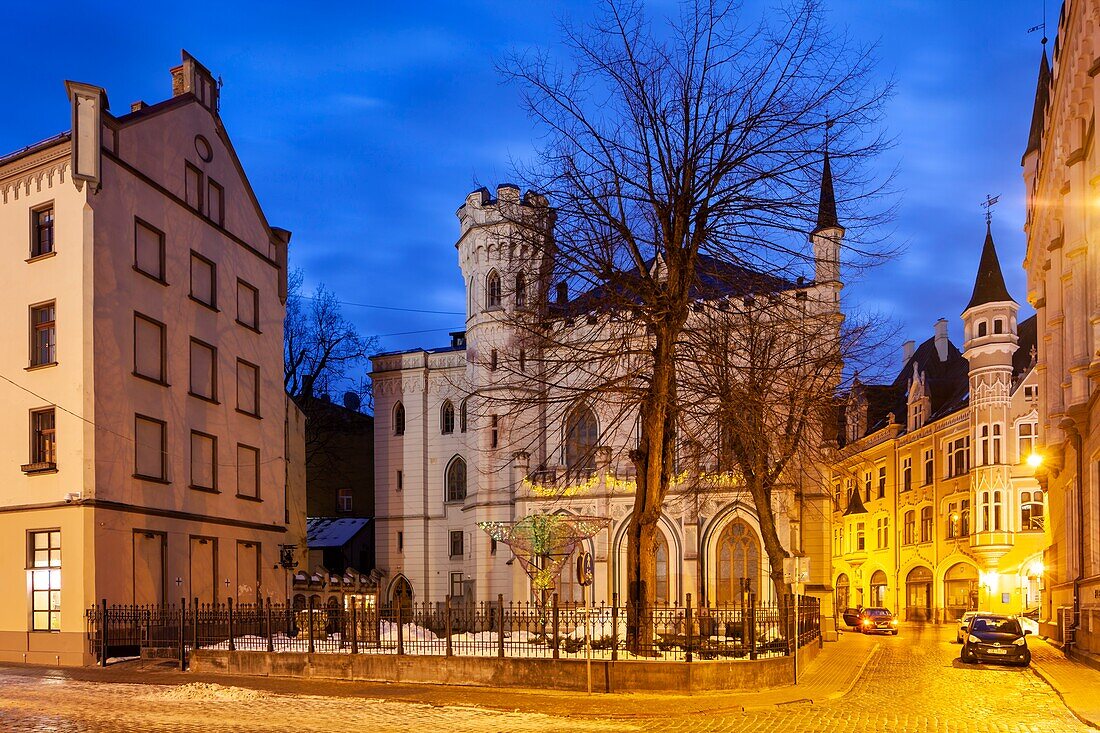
[
  {"x": 1031, "y": 511},
  {"x": 1026, "y": 434},
  {"x": 42, "y": 236},
  {"x": 343, "y": 500},
  {"x": 45, "y": 571},
  {"x": 43, "y": 335}
]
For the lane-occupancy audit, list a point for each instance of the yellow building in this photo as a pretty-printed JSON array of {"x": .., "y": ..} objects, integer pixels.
[
  {"x": 936, "y": 507},
  {"x": 1062, "y": 177},
  {"x": 149, "y": 452}
]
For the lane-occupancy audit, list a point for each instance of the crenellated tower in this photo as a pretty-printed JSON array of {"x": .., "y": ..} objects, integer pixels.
[{"x": 990, "y": 340}]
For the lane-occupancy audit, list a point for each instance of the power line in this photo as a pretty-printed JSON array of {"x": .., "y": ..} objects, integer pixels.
[
  {"x": 409, "y": 333},
  {"x": 390, "y": 307}
]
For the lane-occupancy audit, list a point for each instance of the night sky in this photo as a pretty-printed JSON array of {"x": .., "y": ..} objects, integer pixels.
[{"x": 363, "y": 126}]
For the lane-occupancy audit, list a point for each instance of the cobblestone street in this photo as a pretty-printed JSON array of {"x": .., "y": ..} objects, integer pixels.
[{"x": 913, "y": 682}]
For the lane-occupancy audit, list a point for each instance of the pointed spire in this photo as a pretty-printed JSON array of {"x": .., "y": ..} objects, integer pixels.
[
  {"x": 826, "y": 207},
  {"x": 855, "y": 504},
  {"x": 1038, "y": 113},
  {"x": 989, "y": 286}
]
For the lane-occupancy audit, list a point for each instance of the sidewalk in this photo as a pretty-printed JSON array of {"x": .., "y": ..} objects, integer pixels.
[
  {"x": 1077, "y": 684},
  {"x": 831, "y": 675}
]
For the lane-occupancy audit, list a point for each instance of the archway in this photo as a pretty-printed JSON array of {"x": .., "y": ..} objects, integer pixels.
[
  {"x": 960, "y": 590},
  {"x": 918, "y": 594},
  {"x": 878, "y": 589},
  {"x": 738, "y": 558},
  {"x": 401, "y": 592},
  {"x": 843, "y": 590}
]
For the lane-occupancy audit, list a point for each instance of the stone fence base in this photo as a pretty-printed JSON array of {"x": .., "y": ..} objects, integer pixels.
[{"x": 553, "y": 674}]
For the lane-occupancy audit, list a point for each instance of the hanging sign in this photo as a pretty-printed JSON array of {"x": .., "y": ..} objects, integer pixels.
[{"x": 584, "y": 569}]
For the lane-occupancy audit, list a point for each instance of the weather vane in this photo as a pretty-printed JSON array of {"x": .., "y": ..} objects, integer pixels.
[
  {"x": 988, "y": 204},
  {"x": 1042, "y": 26}
]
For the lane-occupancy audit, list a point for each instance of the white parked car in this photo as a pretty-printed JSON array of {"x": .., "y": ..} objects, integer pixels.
[{"x": 960, "y": 632}]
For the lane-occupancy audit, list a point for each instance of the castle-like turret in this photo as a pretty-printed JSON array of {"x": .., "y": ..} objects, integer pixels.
[
  {"x": 990, "y": 341},
  {"x": 828, "y": 235}
]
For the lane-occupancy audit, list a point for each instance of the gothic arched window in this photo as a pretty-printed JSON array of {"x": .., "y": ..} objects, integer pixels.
[
  {"x": 492, "y": 290},
  {"x": 660, "y": 592},
  {"x": 738, "y": 561},
  {"x": 521, "y": 291},
  {"x": 462, "y": 410},
  {"x": 399, "y": 419},
  {"x": 447, "y": 418},
  {"x": 582, "y": 434},
  {"x": 456, "y": 479}
]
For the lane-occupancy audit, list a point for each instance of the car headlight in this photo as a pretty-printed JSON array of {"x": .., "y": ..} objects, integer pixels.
[
  {"x": 1020, "y": 642},
  {"x": 973, "y": 639},
  {"x": 894, "y": 621}
]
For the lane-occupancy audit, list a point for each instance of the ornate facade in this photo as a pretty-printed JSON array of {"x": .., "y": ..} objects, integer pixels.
[{"x": 937, "y": 510}]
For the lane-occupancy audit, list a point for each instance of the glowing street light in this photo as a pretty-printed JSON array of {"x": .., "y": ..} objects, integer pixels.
[{"x": 1035, "y": 460}]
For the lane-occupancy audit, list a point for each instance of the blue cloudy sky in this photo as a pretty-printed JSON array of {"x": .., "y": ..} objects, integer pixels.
[{"x": 363, "y": 125}]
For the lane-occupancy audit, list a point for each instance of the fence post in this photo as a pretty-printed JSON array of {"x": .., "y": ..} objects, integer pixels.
[
  {"x": 400, "y": 632},
  {"x": 270, "y": 634},
  {"x": 309, "y": 624},
  {"x": 447, "y": 625},
  {"x": 232, "y": 645},
  {"x": 195, "y": 626},
  {"x": 752, "y": 626},
  {"x": 688, "y": 624},
  {"x": 500, "y": 626},
  {"x": 614, "y": 627},
  {"x": 556, "y": 625},
  {"x": 354, "y": 626},
  {"x": 103, "y": 636},
  {"x": 183, "y": 634}
]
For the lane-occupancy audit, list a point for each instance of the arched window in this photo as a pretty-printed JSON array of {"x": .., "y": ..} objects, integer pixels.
[
  {"x": 738, "y": 561},
  {"x": 998, "y": 508},
  {"x": 996, "y": 443},
  {"x": 492, "y": 290},
  {"x": 582, "y": 434},
  {"x": 456, "y": 480},
  {"x": 660, "y": 593},
  {"x": 462, "y": 416},
  {"x": 982, "y": 326},
  {"x": 521, "y": 291},
  {"x": 998, "y": 325},
  {"x": 399, "y": 419},
  {"x": 985, "y": 512},
  {"x": 470, "y": 299},
  {"x": 1031, "y": 511},
  {"x": 447, "y": 418}
]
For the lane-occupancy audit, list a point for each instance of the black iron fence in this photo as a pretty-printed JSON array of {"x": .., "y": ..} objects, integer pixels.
[{"x": 455, "y": 628}]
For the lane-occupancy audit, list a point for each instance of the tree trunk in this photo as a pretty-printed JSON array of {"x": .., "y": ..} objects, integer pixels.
[{"x": 761, "y": 496}]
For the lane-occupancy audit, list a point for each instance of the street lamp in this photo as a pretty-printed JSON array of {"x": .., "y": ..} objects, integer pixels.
[{"x": 1035, "y": 460}]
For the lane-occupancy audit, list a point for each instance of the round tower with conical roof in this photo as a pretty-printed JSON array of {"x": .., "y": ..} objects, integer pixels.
[
  {"x": 828, "y": 235},
  {"x": 990, "y": 340}
]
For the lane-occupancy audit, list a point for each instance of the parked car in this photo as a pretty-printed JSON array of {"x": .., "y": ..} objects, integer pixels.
[
  {"x": 851, "y": 617},
  {"x": 995, "y": 638},
  {"x": 964, "y": 621},
  {"x": 875, "y": 620}
]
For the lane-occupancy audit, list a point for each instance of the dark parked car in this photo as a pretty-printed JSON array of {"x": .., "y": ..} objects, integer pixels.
[
  {"x": 993, "y": 638},
  {"x": 851, "y": 617},
  {"x": 875, "y": 620}
]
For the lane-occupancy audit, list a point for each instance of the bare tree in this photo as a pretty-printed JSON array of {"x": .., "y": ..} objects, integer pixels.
[
  {"x": 324, "y": 358},
  {"x": 670, "y": 151}
]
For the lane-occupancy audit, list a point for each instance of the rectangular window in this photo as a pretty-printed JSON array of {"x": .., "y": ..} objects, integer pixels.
[
  {"x": 866, "y": 485},
  {"x": 43, "y": 335},
  {"x": 1026, "y": 433},
  {"x": 248, "y": 380},
  {"x": 149, "y": 348},
  {"x": 149, "y": 250},
  {"x": 929, "y": 466},
  {"x": 907, "y": 473},
  {"x": 248, "y": 305},
  {"x": 926, "y": 524},
  {"x": 43, "y": 437},
  {"x": 494, "y": 431},
  {"x": 456, "y": 585},
  {"x": 457, "y": 543},
  {"x": 343, "y": 500},
  {"x": 204, "y": 280},
  {"x": 909, "y": 528},
  {"x": 881, "y": 482},
  {"x": 861, "y": 540},
  {"x": 958, "y": 457},
  {"x": 204, "y": 370},
  {"x": 400, "y": 541},
  {"x": 204, "y": 461},
  {"x": 193, "y": 187},
  {"x": 150, "y": 448},
  {"x": 248, "y": 471},
  {"x": 523, "y": 360},
  {"x": 44, "y": 565},
  {"x": 952, "y": 520},
  {"x": 964, "y": 518},
  {"x": 493, "y": 360},
  {"x": 42, "y": 231},
  {"x": 215, "y": 202},
  {"x": 400, "y": 480}
]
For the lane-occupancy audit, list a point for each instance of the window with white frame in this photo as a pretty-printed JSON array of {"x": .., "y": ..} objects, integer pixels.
[
  {"x": 44, "y": 567},
  {"x": 457, "y": 545},
  {"x": 998, "y": 510},
  {"x": 456, "y": 585},
  {"x": 1031, "y": 511},
  {"x": 344, "y": 500},
  {"x": 1027, "y": 433},
  {"x": 926, "y": 523},
  {"x": 997, "y": 443},
  {"x": 861, "y": 540},
  {"x": 883, "y": 532},
  {"x": 983, "y": 445},
  {"x": 958, "y": 456},
  {"x": 882, "y": 482},
  {"x": 929, "y": 466},
  {"x": 907, "y": 473}
]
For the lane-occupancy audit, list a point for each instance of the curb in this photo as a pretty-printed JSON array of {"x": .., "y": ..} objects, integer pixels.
[{"x": 1061, "y": 695}]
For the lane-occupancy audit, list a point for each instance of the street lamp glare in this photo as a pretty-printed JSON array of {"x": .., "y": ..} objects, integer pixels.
[{"x": 1035, "y": 460}]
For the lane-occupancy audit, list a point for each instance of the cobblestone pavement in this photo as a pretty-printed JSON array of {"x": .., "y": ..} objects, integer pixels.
[{"x": 913, "y": 683}]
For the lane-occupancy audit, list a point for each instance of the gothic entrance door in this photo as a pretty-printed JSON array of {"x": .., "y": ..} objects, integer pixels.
[
  {"x": 878, "y": 589},
  {"x": 402, "y": 593},
  {"x": 843, "y": 588},
  {"x": 738, "y": 561}
]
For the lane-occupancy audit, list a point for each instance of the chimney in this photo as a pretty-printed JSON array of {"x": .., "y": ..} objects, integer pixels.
[
  {"x": 907, "y": 350},
  {"x": 138, "y": 106},
  {"x": 562, "y": 293},
  {"x": 941, "y": 338}
]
